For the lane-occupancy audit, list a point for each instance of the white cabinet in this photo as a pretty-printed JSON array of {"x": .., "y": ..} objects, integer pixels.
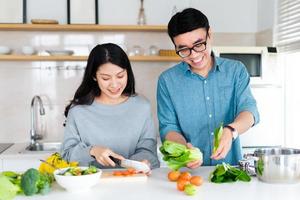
[
  {"x": 19, "y": 164},
  {"x": 270, "y": 130}
]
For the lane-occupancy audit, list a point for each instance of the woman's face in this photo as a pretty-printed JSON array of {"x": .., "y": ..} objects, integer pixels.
[{"x": 112, "y": 81}]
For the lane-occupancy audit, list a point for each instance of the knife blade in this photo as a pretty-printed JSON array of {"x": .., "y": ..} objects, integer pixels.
[{"x": 127, "y": 163}]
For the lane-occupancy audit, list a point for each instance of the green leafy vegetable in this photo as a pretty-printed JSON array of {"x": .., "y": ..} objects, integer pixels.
[
  {"x": 7, "y": 189},
  {"x": 33, "y": 182},
  {"x": 217, "y": 135},
  {"x": 178, "y": 155},
  {"x": 224, "y": 173},
  {"x": 77, "y": 171},
  {"x": 260, "y": 167},
  {"x": 14, "y": 178}
]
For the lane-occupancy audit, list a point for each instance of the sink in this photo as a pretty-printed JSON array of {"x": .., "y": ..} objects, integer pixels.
[{"x": 43, "y": 147}]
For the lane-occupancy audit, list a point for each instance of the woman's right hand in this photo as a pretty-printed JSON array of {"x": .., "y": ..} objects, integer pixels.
[{"x": 102, "y": 154}]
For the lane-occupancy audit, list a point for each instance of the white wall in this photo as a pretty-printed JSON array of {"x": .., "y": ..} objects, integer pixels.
[
  {"x": 230, "y": 15},
  {"x": 266, "y": 14},
  {"x": 225, "y": 16}
]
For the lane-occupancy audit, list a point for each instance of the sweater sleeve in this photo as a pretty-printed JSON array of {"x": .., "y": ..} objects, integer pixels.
[
  {"x": 73, "y": 148},
  {"x": 146, "y": 148}
]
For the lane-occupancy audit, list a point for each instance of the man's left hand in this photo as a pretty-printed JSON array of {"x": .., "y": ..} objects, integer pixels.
[{"x": 224, "y": 145}]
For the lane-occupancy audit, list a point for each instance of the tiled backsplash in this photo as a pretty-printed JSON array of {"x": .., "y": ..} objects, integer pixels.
[{"x": 21, "y": 81}]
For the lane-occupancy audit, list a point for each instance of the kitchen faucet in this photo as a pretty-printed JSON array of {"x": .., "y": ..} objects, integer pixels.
[{"x": 34, "y": 135}]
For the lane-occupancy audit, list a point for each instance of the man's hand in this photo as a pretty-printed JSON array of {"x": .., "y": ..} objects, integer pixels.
[
  {"x": 194, "y": 164},
  {"x": 224, "y": 145}
]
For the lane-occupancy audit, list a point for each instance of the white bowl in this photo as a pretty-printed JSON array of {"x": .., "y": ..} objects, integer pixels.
[
  {"x": 77, "y": 183},
  {"x": 28, "y": 50},
  {"x": 5, "y": 50},
  {"x": 60, "y": 52}
]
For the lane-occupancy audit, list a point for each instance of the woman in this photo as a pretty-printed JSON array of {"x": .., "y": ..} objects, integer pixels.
[{"x": 106, "y": 118}]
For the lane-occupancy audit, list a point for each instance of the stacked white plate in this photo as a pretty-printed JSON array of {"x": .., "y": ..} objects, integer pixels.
[
  {"x": 60, "y": 52},
  {"x": 4, "y": 50}
]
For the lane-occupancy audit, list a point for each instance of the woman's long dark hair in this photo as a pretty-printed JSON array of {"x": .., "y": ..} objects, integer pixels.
[{"x": 89, "y": 89}]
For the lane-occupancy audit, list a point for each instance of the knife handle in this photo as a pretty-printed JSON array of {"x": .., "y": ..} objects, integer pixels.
[{"x": 116, "y": 160}]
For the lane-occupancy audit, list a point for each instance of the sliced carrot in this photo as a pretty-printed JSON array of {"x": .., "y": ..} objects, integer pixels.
[
  {"x": 117, "y": 173},
  {"x": 125, "y": 173},
  {"x": 131, "y": 170}
]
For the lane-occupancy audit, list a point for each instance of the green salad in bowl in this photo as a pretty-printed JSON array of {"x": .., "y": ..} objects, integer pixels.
[
  {"x": 77, "y": 178},
  {"x": 79, "y": 171}
]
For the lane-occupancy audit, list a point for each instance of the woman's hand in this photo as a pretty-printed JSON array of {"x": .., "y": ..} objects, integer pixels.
[
  {"x": 194, "y": 164},
  {"x": 224, "y": 145},
  {"x": 102, "y": 154},
  {"x": 147, "y": 163}
]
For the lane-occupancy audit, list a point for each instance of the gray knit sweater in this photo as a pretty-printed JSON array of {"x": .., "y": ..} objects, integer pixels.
[{"x": 126, "y": 128}]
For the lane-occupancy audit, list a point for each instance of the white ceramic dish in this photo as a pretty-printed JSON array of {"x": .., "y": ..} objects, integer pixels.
[
  {"x": 28, "y": 50},
  {"x": 60, "y": 52},
  {"x": 4, "y": 50},
  {"x": 77, "y": 183}
]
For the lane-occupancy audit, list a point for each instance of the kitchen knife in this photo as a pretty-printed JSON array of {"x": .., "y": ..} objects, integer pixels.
[{"x": 126, "y": 163}]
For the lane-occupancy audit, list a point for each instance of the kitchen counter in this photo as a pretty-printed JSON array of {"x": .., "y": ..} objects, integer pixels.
[
  {"x": 17, "y": 151},
  {"x": 14, "y": 158},
  {"x": 158, "y": 187}
]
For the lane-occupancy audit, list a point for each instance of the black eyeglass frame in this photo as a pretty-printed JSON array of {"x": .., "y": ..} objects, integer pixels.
[{"x": 193, "y": 48}]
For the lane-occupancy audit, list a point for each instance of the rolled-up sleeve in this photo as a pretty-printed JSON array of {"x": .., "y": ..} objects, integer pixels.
[
  {"x": 165, "y": 110},
  {"x": 245, "y": 99},
  {"x": 147, "y": 144},
  {"x": 73, "y": 149}
]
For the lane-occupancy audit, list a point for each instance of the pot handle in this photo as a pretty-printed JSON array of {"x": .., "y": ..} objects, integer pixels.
[
  {"x": 250, "y": 156},
  {"x": 248, "y": 163}
]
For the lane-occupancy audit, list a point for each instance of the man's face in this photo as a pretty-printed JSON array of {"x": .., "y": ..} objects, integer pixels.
[{"x": 200, "y": 56}]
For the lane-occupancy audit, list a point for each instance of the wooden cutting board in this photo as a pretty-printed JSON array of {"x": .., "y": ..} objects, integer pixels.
[{"x": 108, "y": 176}]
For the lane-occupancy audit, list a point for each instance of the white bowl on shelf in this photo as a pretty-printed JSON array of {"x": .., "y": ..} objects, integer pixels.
[
  {"x": 28, "y": 50},
  {"x": 60, "y": 52},
  {"x": 4, "y": 50},
  {"x": 77, "y": 183}
]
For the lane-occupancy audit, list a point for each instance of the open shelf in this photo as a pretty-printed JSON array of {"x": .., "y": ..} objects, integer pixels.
[
  {"x": 81, "y": 27},
  {"x": 84, "y": 58}
]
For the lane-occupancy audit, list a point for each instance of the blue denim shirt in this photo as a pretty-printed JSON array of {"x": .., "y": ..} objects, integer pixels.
[{"x": 195, "y": 106}]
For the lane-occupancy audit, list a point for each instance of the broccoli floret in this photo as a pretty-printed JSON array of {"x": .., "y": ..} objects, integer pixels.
[
  {"x": 29, "y": 182},
  {"x": 33, "y": 182}
]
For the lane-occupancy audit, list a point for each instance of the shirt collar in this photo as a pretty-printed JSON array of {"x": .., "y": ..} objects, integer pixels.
[{"x": 217, "y": 65}]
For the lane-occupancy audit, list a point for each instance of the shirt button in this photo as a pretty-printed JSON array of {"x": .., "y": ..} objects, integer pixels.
[
  {"x": 207, "y": 98},
  {"x": 210, "y": 115},
  {"x": 205, "y": 81},
  {"x": 212, "y": 133}
]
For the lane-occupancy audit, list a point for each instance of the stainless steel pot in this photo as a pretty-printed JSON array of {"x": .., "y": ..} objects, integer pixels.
[{"x": 277, "y": 165}]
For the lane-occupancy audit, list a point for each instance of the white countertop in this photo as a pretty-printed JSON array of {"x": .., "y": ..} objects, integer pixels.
[
  {"x": 17, "y": 151},
  {"x": 158, "y": 187}
]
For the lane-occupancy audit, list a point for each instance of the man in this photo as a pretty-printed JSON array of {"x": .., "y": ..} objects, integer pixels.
[{"x": 203, "y": 91}]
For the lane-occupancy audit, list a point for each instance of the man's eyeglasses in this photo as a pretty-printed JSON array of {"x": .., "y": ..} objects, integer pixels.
[{"x": 198, "y": 47}]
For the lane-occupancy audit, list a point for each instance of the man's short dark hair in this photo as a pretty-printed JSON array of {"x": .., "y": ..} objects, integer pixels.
[{"x": 187, "y": 20}]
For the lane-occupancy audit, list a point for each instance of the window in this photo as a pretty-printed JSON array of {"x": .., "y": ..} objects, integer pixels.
[{"x": 287, "y": 29}]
